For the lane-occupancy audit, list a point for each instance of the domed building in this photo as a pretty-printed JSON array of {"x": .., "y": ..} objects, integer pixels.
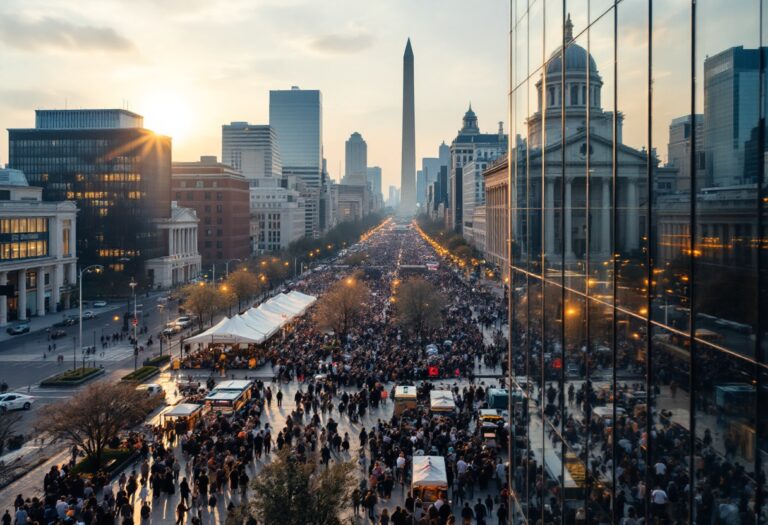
[{"x": 569, "y": 104}]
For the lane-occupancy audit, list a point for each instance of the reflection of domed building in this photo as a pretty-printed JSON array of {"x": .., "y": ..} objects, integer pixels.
[{"x": 573, "y": 91}]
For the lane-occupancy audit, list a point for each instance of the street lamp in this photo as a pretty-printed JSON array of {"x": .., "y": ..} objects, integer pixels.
[
  {"x": 135, "y": 323},
  {"x": 98, "y": 269},
  {"x": 226, "y": 265}
]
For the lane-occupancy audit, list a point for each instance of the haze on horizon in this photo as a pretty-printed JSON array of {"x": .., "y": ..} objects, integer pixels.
[{"x": 190, "y": 66}]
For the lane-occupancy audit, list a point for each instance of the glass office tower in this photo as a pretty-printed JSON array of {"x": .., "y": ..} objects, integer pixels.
[
  {"x": 120, "y": 178},
  {"x": 639, "y": 287}
]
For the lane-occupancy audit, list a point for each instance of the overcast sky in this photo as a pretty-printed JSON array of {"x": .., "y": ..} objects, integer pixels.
[{"x": 190, "y": 66}]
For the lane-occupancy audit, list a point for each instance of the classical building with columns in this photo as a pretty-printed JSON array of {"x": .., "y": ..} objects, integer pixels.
[
  {"x": 558, "y": 144},
  {"x": 497, "y": 214},
  {"x": 183, "y": 260},
  {"x": 38, "y": 264}
]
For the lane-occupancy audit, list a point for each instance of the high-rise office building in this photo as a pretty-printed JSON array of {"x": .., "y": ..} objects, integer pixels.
[
  {"x": 374, "y": 179},
  {"x": 682, "y": 130},
  {"x": 296, "y": 115},
  {"x": 638, "y": 316},
  {"x": 117, "y": 172},
  {"x": 356, "y": 160},
  {"x": 251, "y": 149},
  {"x": 408, "y": 160},
  {"x": 730, "y": 104}
]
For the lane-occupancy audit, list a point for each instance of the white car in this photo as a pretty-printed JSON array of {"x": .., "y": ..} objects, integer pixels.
[
  {"x": 100, "y": 304},
  {"x": 183, "y": 321},
  {"x": 13, "y": 401},
  {"x": 89, "y": 315}
]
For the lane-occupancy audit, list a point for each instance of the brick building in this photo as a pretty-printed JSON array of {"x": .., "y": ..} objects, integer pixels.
[{"x": 219, "y": 194}]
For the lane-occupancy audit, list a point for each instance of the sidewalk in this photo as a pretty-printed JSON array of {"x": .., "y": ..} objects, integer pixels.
[{"x": 37, "y": 324}]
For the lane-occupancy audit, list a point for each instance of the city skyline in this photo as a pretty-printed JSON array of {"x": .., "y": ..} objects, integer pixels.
[{"x": 143, "y": 59}]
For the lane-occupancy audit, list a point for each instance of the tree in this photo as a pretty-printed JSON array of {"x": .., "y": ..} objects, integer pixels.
[
  {"x": 243, "y": 285},
  {"x": 94, "y": 416},
  {"x": 290, "y": 492},
  {"x": 203, "y": 301},
  {"x": 419, "y": 306},
  {"x": 8, "y": 426},
  {"x": 339, "y": 308}
]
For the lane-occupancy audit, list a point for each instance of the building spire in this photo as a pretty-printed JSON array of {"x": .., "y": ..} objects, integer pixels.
[{"x": 568, "y": 29}]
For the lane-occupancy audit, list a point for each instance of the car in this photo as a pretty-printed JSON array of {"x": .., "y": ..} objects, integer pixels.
[
  {"x": 170, "y": 331},
  {"x": 99, "y": 304},
  {"x": 89, "y": 315},
  {"x": 58, "y": 334},
  {"x": 14, "y": 401},
  {"x": 18, "y": 329},
  {"x": 183, "y": 321},
  {"x": 67, "y": 321},
  {"x": 152, "y": 389}
]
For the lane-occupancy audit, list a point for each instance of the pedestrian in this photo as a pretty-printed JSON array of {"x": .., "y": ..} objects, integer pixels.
[{"x": 181, "y": 512}]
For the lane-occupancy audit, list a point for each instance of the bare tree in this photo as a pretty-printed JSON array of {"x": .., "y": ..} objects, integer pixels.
[
  {"x": 9, "y": 469},
  {"x": 94, "y": 416},
  {"x": 419, "y": 306},
  {"x": 339, "y": 308}
]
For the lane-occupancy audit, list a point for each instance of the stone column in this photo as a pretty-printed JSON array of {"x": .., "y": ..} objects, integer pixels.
[
  {"x": 549, "y": 219},
  {"x": 633, "y": 216},
  {"x": 72, "y": 274},
  {"x": 605, "y": 233},
  {"x": 3, "y": 300},
  {"x": 58, "y": 278},
  {"x": 40, "y": 292},
  {"x": 22, "y": 301},
  {"x": 568, "y": 211}
]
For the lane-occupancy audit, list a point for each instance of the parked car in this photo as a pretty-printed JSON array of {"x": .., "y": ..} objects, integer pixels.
[
  {"x": 67, "y": 321},
  {"x": 58, "y": 334},
  {"x": 18, "y": 329},
  {"x": 13, "y": 401},
  {"x": 172, "y": 330},
  {"x": 99, "y": 304},
  {"x": 89, "y": 315}
]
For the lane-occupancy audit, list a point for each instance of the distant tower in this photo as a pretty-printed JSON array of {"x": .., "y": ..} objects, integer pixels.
[{"x": 408, "y": 166}]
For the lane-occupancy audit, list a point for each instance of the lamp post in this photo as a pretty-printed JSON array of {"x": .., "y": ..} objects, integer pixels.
[
  {"x": 97, "y": 268},
  {"x": 226, "y": 266},
  {"x": 135, "y": 323}
]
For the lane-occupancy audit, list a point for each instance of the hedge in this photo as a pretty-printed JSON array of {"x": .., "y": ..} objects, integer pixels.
[
  {"x": 111, "y": 460},
  {"x": 140, "y": 374},
  {"x": 158, "y": 360},
  {"x": 72, "y": 377}
]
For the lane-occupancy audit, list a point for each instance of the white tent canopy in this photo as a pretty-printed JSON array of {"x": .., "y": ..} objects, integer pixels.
[
  {"x": 429, "y": 471},
  {"x": 441, "y": 401},
  {"x": 256, "y": 325}
]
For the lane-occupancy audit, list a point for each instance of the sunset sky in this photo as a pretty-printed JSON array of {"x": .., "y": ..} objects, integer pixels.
[{"x": 190, "y": 66}]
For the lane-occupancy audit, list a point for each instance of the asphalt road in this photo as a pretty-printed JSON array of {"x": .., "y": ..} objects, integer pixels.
[{"x": 22, "y": 365}]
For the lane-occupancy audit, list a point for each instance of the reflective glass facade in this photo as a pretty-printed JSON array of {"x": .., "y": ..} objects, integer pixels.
[
  {"x": 638, "y": 261},
  {"x": 120, "y": 180}
]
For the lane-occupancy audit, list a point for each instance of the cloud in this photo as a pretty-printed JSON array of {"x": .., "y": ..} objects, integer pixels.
[
  {"x": 342, "y": 43},
  {"x": 55, "y": 33}
]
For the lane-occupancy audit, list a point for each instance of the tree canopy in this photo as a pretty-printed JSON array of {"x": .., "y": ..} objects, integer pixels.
[
  {"x": 340, "y": 306},
  {"x": 419, "y": 306}
]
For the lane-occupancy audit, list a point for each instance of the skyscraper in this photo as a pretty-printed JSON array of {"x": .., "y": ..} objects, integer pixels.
[
  {"x": 118, "y": 173},
  {"x": 356, "y": 160},
  {"x": 408, "y": 165},
  {"x": 374, "y": 179},
  {"x": 251, "y": 149},
  {"x": 297, "y": 117}
]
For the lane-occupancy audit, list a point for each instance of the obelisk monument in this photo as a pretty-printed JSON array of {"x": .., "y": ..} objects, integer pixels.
[{"x": 408, "y": 165}]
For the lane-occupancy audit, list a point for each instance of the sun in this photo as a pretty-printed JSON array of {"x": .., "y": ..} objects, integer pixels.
[{"x": 167, "y": 114}]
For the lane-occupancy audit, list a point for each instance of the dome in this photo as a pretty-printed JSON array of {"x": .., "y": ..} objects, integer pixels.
[{"x": 576, "y": 58}]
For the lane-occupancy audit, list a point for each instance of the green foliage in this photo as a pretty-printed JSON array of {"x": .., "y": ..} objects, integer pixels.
[
  {"x": 158, "y": 360},
  {"x": 111, "y": 459},
  {"x": 71, "y": 376},
  {"x": 289, "y": 492},
  {"x": 140, "y": 374}
]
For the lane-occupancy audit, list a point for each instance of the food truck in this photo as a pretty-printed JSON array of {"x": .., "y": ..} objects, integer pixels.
[
  {"x": 441, "y": 401},
  {"x": 183, "y": 413},
  {"x": 405, "y": 399},
  {"x": 229, "y": 396},
  {"x": 430, "y": 478},
  {"x": 498, "y": 398}
]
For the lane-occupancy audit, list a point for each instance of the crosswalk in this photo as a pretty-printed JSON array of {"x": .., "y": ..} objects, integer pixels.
[{"x": 112, "y": 354}]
